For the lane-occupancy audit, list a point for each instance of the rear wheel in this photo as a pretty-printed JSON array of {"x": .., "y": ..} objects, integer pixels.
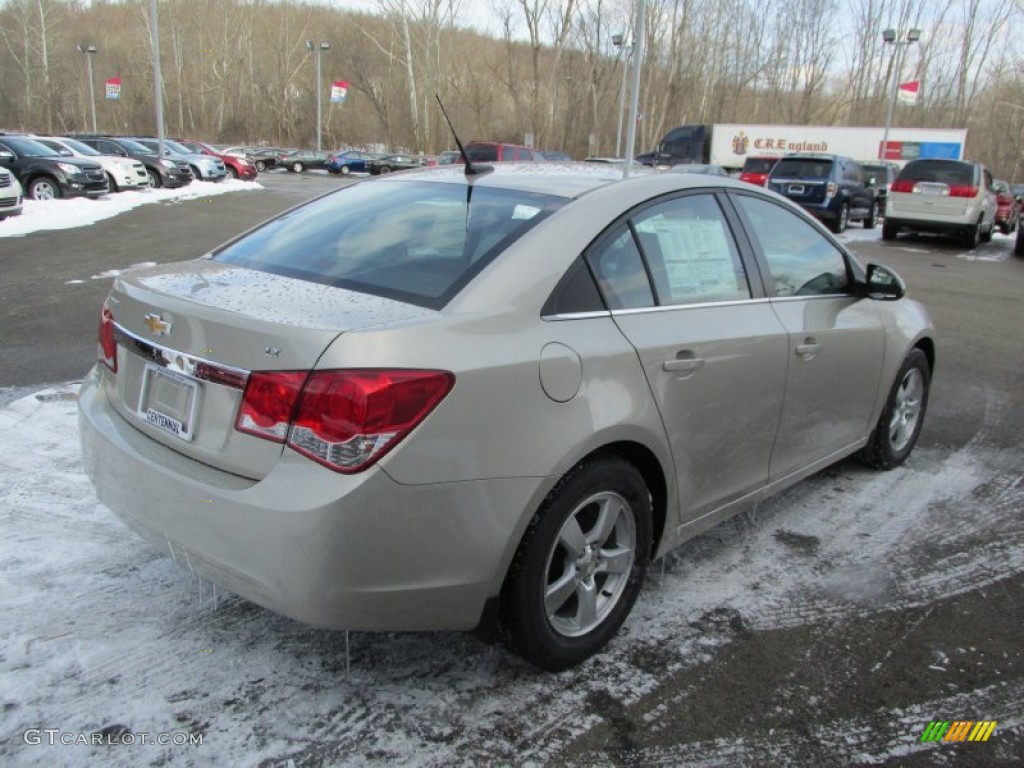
[
  {"x": 385, "y": 169},
  {"x": 580, "y": 566},
  {"x": 889, "y": 231},
  {"x": 839, "y": 225},
  {"x": 986, "y": 234},
  {"x": 1018, "y": 246},
  {"x": 871, "y": 220},
  {"x": 44, "y": 188},
  {"x": 297, "y": 167},
  {"x": 345, "y": 170},
  {"x": 973, "y": 236},
  {"x": 900, "y": 423},
  {"x": 260, "y": 165}
]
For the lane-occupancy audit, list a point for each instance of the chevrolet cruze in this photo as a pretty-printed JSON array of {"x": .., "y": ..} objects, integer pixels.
[{"x": 440, "y": 401}]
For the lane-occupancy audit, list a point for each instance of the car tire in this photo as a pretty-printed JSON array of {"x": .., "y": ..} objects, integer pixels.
[
  {"x": 986, "y": 235},
  {"x": 385, "y": 169},
  {"x": 260, "y": 165},
  {"x": 561, "y": 601},
  {"x": 871, "y": 220},
  {"x": 839, "y": 225},
  {"x": 44, "y": 188},
  {"x": 154, "y": 179},
  {"x": 889, "y": 231},
  {"x": 1018, "y": 244},
  {"x": 345, "y": 170},
  {"x": 900, "y": 423},
  {"x": 233, "y": 171},
  {"x": 297, "y": 167},
  {"x": 973, "y": 236}
]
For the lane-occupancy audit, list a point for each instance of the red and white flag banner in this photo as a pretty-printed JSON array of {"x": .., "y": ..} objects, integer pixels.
[{"x": 909, "y": 92}]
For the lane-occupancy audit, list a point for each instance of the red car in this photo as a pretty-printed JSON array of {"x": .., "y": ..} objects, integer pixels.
[
  {"x": 1007, "y": 207},
  {"x": 756, "y": 169},
  {"x": 238, "y": 167}
]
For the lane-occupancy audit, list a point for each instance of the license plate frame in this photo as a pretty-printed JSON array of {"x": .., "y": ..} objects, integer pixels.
[
  {"x": 797, "y": 189},
  {"x": 169, "y": 401}
]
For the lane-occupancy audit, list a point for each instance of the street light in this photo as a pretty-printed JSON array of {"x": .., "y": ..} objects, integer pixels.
[
  {"x": 892, "y": 37},
  {"x": 619, "y": 41},
  {"x": 323, "y": 46},
  {"x": 87, "y": 50}
]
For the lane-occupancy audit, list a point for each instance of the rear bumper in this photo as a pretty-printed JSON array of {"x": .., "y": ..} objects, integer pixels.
[
  {"x": 927, "y": 225},
  {"x": 340, "y": 551}
]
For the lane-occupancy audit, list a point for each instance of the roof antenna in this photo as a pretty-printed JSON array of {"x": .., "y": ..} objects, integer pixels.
[{"x": 471, "y": 170}]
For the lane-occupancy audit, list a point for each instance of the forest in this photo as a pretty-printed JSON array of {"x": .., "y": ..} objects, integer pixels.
[{"x": 240, "y": 71}]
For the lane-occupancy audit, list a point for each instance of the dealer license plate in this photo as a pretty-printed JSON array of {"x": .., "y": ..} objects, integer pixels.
[{"x": 169, "y": 401}]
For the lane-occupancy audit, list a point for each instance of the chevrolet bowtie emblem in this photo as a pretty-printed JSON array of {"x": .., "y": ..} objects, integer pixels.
[{"x": 157, "y": 324}]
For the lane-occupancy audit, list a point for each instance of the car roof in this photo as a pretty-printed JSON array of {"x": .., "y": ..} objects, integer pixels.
[{"x": 569, "y": 179}]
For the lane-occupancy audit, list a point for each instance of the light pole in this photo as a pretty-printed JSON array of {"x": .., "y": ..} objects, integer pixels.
[
  {"x": 892, "y": 37},
  {"x": 619, "y": 41},
  {"x": 639, "y": 40},
  {"x": 88, "y": 50},
  {"x": 319, "y": 49}
]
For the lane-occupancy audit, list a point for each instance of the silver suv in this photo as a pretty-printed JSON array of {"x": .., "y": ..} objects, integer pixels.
[{"x": 953, "y": 197}]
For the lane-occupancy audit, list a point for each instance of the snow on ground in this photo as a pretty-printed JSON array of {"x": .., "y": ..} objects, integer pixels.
[
  {"x": 68, "y": 213},
  {"x": 104, "y": 635}
]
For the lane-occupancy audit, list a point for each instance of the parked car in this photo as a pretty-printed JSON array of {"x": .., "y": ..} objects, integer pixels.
[
  {"x": 203, "y": 167},
  {"x": 556, "y": 156},
  {"x": 1007, "y": 207},
  {"x": 646, "y": 158},
  {"x": 1018, "y": 192},
  {"x": 500, "y": 152},
  {"x": 11, "y": 200},
  {"x": 399, "y": 162},
  {"x": 448, "y": 157},
  {"x": 952, "y": 197},
  {"x": 44, "y": 174},
  {"x": 236, "y": 151},
  {"x": 756, "y": 169},
  {"x": 832, "y": 188},
  {"x": 123, "y": 173},
  {"x": 704, "y": 169},
  {"x": 265, "y": 158},
  {"x": 162, "y": 171},
  {"x": 299, "y": 160},
  {"x": 881, "y": 174},
  {"x": 237, "y": 167},
  {"x": 434, "y": 402},
  {"x": 350, "y": 161}
]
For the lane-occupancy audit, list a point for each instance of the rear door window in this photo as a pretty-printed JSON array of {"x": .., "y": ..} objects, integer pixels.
[
  {"x": 939, "y": 171},
  {"x": 802, "y": 168}
]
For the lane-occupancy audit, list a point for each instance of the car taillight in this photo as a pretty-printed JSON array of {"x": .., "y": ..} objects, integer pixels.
[
  {"x": 106, "y": 348},
  {"x": 903, "y": 185},
  {"x": 344, "y": 419},
  {"x": 1004, "y": 198},
  {"x": 831, "y": 188},
  {"x": 963, "y": 190},
  {"x": 268, "y": 403}
]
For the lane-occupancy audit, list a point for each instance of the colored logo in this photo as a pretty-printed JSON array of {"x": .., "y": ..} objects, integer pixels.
[
  {"x": 958, "y": 730},
  {"x": 740, "y": 143},
  {"x": 156, "y": 324}
]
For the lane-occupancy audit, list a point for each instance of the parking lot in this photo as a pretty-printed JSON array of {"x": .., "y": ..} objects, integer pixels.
[{"x": 828, "y": 628}]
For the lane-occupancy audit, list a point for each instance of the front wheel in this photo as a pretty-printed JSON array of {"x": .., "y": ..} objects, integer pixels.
[
  {"x": 112, "y": 184},
  {"x": 839, "y": 225},
  {"x": 580, "y": 566},
  {"x": 233, "y": 171},
  {"x": 345, "y": 170},
  {"x": 261, "y": 166},
  {"x": 44, "y": 188},
  {"x": 900, "y": 423},
  {"x": 154, "y": 179}
]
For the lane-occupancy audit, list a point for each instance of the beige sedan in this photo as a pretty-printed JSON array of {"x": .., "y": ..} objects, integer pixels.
[{"x": 434, "y": 401}]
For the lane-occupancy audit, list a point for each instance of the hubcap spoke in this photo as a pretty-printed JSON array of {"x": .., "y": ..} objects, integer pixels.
[
  {"x": 610, "y": 509},
  {"x": 571, "y": 537},
  {"x": 586, "y": 614},
  {"x": 558, "y": 594},
  {"x": 616, "y": 560}
]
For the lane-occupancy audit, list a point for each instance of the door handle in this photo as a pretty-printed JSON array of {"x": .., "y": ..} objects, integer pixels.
[
  {"x": 683, "y": 362},
  {"x": 808, "y": 349}
]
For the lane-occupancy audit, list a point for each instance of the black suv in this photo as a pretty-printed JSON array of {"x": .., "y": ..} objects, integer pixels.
[
  {"x": 164, "y": 172},
  {"x": 45, "y": 174},
  {"x": 833, "y": 188}
]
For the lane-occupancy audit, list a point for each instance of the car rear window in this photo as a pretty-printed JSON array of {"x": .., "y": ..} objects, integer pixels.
[
  {"x": 414, "y": 241},
  {"x": 759, "y": 164},
  {"x": 944, "y": 172},
  {"x": 802, "y": 168},
  {"x": 483, "y": 153}
]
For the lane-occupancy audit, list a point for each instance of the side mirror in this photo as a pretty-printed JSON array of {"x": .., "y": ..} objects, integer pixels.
[{"x": 883, "y": 284}]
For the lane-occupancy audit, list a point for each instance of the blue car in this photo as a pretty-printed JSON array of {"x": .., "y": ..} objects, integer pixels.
[{"x": 350, "y": 161}]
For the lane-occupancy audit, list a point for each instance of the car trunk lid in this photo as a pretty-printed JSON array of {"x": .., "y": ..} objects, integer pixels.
[{"x": 189, "y": 335}]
